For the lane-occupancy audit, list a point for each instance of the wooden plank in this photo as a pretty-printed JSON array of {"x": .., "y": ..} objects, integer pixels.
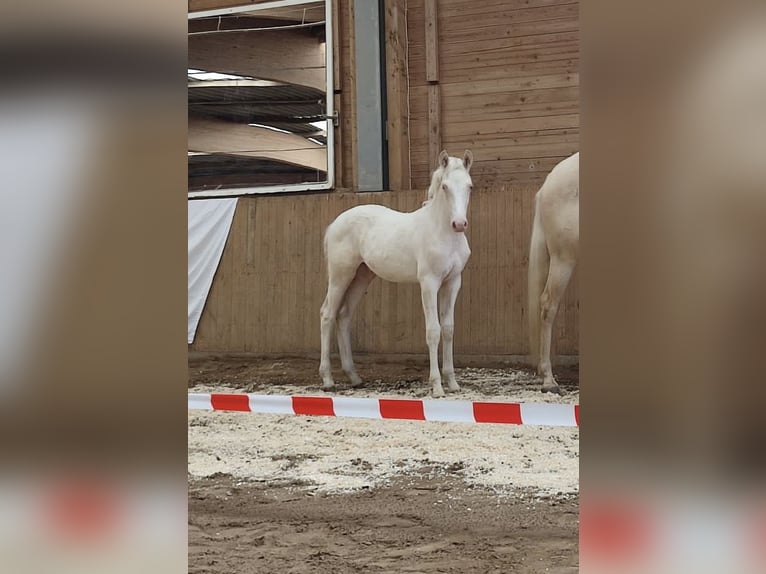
[
  {"x": 471, "y": 5},
  {"x": 460, "y": 36},
  {"x": 239, "y": 278},
  {"x": 453, "y": 113},
  {"x": 508, "y": 53},
  {"x": 502, "y": 85},
  {"x": 521, "y": 145},
  {"x": 518, "y": 71},
  {"x": 481, "y": 23},
  {"x": 467, "y": 8},
  {"x": 522, "y": 201},
  {"x": 496, "y": 128},
  {"x": 490, "y": 47},
  {"x": 397, "y": 128},
  {"x": 432, "y": 41},
  {"x": 434, "y": 123}
]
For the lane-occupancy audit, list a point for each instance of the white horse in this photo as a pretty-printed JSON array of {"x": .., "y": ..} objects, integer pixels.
[
  {"x": 426, "y": 246},
  {"x": 553, "y": 255}
]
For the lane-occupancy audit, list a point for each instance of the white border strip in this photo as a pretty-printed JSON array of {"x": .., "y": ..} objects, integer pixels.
[
  {"x": 548, "y": 414},
  {"x": 200, "y": 402}
]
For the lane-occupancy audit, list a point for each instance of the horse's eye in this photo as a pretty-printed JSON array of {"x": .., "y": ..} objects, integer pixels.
[
  {"x": 444, "y": 186},
  {"x": 470, "y": 187}
]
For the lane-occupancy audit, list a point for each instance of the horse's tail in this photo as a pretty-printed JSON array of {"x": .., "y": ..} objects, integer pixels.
[{"x": 536, "y": 276}]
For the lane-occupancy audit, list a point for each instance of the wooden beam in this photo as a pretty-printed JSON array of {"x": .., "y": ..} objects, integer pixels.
[
  {"x": 434, "y": 124},
  {"x": 397, "y": 96},
  {"x": 214, "y": 136},
  {"x": 432, "y": 41},
  {"x": 432, "y": 77},
  {"x": 289, "y": 56}
]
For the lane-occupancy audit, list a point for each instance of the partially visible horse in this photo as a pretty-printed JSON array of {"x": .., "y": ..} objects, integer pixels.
[
  {"x": 553, "y": 254},
  {"x": 426, "y": 246}
]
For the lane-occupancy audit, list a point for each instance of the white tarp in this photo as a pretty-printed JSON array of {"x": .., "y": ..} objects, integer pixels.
[{"x": 209, "y": 224}]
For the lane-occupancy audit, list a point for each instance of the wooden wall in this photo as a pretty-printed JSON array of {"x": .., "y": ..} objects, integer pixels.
[
  {"x": 500, "y": 77},
  {"x": 271, "y": 281},
  {"x": 497, "y": 76}
]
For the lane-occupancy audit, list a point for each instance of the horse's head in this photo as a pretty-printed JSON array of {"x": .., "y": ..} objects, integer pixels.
[{"x": 455, "y": 183}]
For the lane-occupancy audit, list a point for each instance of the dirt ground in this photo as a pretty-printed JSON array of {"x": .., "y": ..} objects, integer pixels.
[
  {"x": 416, "y": 525},
  {"x": 253, "y": 375},
  {"x": 425, "y": 519}
]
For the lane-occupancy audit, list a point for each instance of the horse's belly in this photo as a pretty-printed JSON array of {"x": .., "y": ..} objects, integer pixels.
[{"x": 394, "y": 268}]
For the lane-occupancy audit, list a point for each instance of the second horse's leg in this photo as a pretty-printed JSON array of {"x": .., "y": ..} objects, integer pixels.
[
  {"x": 447, "y": 298},
  {"x": 558, "y": 278},
  {"x": 354, "y": 294},
  {"x": 429, "y": 289}
]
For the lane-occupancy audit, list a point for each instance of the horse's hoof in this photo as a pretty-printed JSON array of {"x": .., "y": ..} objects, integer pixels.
[
  {"x": 453, "y": 388},
  {"x": 437, "y": 393},
  {"x": 357, "y": 384},
  {"x": 327, "y": 388},
  {"x": 554, "y": 390}
]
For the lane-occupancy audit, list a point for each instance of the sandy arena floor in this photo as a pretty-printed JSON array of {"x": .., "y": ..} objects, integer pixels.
[{"x": 271, "y": 493}]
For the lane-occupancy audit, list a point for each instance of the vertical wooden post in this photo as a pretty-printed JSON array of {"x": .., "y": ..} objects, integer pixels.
[
  {"x": 432, "y": 41},
  {"x": 434, "y": 125},
  {"x": 397, "y": 127},
  {"x": 432, "y": 77}
]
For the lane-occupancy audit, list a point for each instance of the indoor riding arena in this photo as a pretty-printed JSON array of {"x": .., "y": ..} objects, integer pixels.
[{"x": 299, "y": 111}]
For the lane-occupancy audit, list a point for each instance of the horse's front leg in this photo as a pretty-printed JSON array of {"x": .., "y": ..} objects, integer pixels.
[
  {"x": 429, "y": 289},
  {"x": 447, "y": 298}
]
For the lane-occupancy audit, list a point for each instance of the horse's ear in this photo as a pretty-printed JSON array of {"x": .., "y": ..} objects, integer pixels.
[
  {"x": 443, "y": 158},
  {"x": 468, "y": 160}
]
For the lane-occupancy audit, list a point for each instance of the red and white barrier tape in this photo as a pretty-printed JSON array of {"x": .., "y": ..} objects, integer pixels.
[{"x": 542, "y": 414}]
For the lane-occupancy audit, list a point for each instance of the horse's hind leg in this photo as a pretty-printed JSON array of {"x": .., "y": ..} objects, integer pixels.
[
  {"x": 354, "y": 294},
  {"x": 559, "y": 273},
  {"x": 338, "y": 281}
]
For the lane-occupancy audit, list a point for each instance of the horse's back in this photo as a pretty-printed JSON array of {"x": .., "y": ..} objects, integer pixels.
[
  {"x": 564, "y": 179},
  {"x": 358, "y": 220}
]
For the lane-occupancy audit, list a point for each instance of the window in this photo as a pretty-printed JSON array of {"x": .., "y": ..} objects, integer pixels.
[{"x": 260, "y": 118}]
